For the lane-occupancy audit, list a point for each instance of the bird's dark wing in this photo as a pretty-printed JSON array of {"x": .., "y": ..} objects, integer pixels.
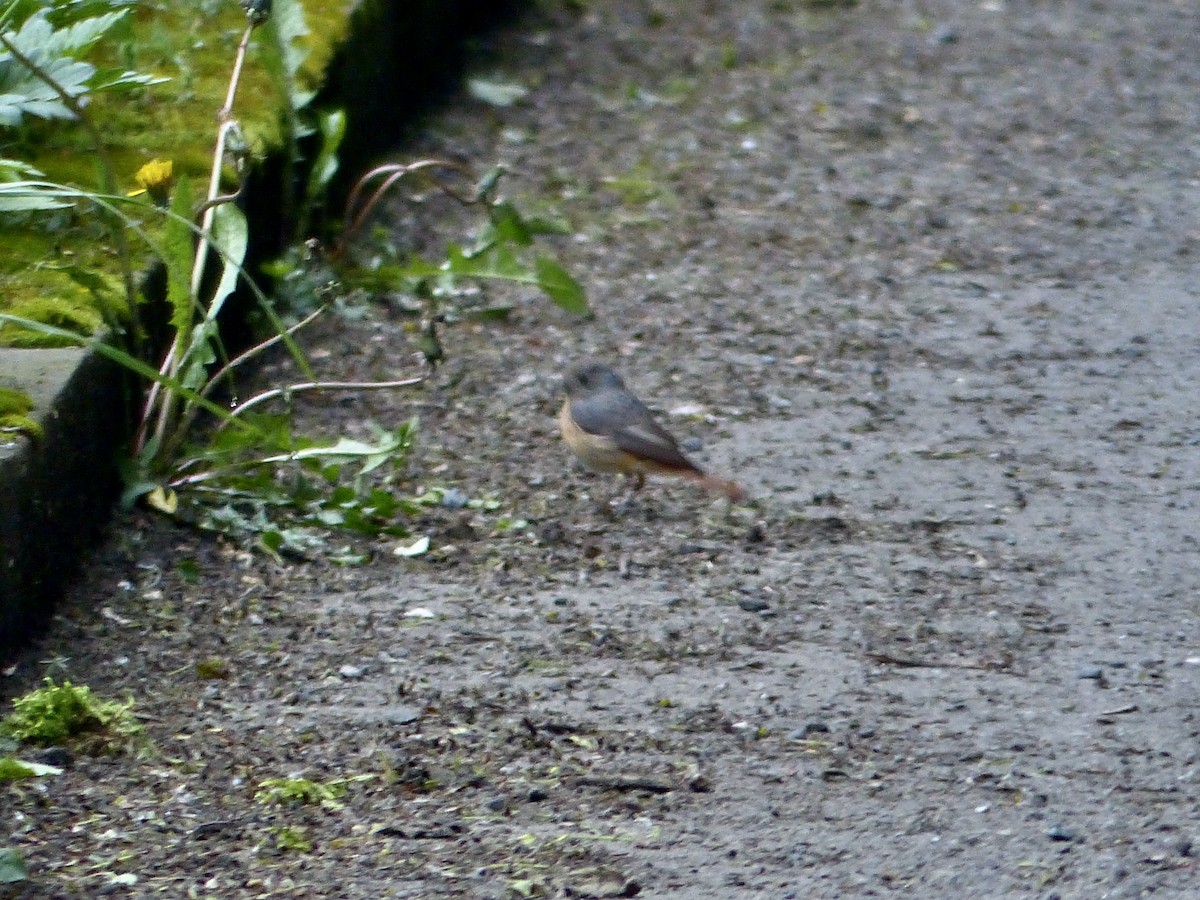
[{"x": 622, "y": 417}]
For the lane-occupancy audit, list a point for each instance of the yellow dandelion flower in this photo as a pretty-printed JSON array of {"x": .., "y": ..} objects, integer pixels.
[{"x": 154, "y": 178}]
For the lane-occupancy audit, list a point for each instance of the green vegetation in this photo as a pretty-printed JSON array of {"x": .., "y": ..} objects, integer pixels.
[
  {"x": 69, "y": 714},
  {"x": 12, "y": 769},
  {"x": 153, "y": 74},
  {"x": 14, "y": 409},
  {"x": 244, "y": 472},
  {"x": 300, "y": 792}
]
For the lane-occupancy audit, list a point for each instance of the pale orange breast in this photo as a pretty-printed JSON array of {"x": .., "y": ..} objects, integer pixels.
[{"x": 596, "y": 451}]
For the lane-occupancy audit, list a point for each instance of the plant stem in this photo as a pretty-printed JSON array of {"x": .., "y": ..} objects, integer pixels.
[
  {"x": 177, "y": 353},
  {"x": 324, "y": 386},
  {"x": 254, "y": 351},
  {"x": 394, "y": 172}
]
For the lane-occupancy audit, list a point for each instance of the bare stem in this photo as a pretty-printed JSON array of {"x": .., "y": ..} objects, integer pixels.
[
  {"x": 175, "y": 356},
  {"x": 323, "y": 386},
  {"x": 254, "y": 351},
  {"x": 394, "y": 172}
]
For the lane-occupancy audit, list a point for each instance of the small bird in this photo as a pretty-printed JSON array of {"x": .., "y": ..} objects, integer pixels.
[{"x": 611, "y": 430}]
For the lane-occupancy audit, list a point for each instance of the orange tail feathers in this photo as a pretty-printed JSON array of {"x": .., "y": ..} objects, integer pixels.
[{"x": 717, "y": 485}]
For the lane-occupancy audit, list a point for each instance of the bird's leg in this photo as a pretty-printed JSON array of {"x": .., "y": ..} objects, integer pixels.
[{"x": 636, "y": 481}]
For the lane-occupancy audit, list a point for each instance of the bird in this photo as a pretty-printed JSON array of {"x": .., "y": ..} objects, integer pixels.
[{"x": 611, "y": 430}]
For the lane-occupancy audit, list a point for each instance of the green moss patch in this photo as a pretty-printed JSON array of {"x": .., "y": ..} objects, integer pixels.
[
  {"x": 14, "y": 409},
  {"x": 71, "y": 715},
  {"x": 194, "y": 45}
]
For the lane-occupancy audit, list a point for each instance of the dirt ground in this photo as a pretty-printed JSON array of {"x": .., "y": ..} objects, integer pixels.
[{"x": 919, "y": 274}]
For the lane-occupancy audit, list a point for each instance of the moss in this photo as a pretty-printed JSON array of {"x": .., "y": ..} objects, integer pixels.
[
  {"x": 67, "y": 313},
  {"x": 192, "y": 44},
  {"x": 14, "y": 402},
  {"x": 14, "y": 406},
  {"x": 15, "y": 770},
  {"x": 71, "y": 714}
]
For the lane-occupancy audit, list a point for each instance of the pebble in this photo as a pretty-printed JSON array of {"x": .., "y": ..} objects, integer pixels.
[
  {"x": 1061, "y": 833},
  {"x": 404, "y": 715},
  {"x": 537, "y": 795},
  {"x": 809, "y": 729},
  {"x": 454, "y": 499},
  {"x": 1091, "y": 673},
  {"x": 691, "y": 445},
  {"x": 944, "y": 34},
  {"x": 753, "y": 604},
  {"x": 351, "y": 671},
  {"x": 61, "y": 757},
  {"x": 497, "y": 804}
]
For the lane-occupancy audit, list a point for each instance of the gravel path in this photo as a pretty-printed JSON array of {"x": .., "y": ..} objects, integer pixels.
[{"x": 920, "y": 274}]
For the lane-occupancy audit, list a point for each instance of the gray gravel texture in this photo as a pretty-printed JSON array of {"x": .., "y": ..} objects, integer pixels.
[{"x": 919, "y": 274}]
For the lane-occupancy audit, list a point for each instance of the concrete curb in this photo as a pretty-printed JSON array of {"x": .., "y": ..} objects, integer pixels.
[{"x": 55, "y": 493}]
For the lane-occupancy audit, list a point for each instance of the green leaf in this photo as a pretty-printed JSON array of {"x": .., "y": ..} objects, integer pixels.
[
  {"x": 131, "y": 363},
  {"x": 12, "y": 866},
  {"x": 178, "y": 254},
  {"x": 200, "y": 354},
  {"x": 20, "y": 197},
  {"x": 509, "y": 225},
  {"x": 54, "y": 51},
  {"x": 332, "y": 126},
  {"x": 15, "y": 168},
  {"x": 111, "y": 79},
  {"x": 285, "y": 52},
  {"x": 230, "y": 235},
  {"x": 560, "y": 286}
]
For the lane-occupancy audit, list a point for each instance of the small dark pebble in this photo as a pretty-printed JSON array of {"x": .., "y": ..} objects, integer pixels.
[
  {"x": 537, "y": 795},
  {"x": 753, "y": 604},
  {"x": 208, "y": 829},
  {"x": 756, "y": 534},
  {"x": 551, "y": 532},
  {"x": 1184, "y": 847},
  {"x": 461, "y": 531},
  {"x": 1062, "y": 833},
  {"x": 497, "y": 804},
  {"x": 630, "y": 889},
  {"x": 944, "y": 34},
  {"x": 59, "y": 757},
  {"x": 1090, "y": 673},
  {"x": 438, "y": 831},
  {"x": 809, "y": 729}
]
